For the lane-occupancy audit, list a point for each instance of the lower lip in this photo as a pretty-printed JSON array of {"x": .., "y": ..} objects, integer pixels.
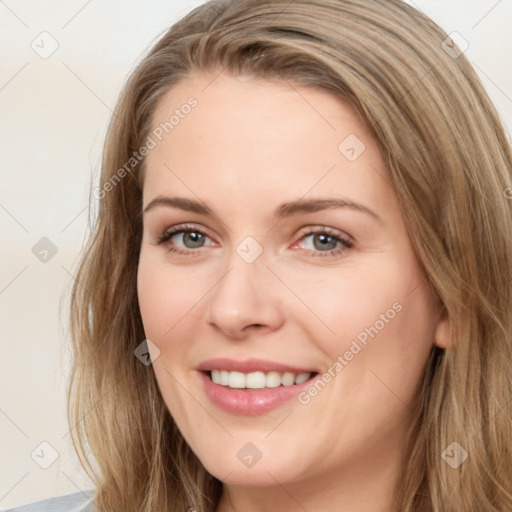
[{"x": 250, "y": 402}]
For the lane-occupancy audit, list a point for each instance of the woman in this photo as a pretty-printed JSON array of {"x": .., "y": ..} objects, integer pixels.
[{"x": 220, "y": 365}]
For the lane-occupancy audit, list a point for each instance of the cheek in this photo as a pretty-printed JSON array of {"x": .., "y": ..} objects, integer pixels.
[
  {"x": 382, "y": 316},
  {"x": 352, "y": 298},
  {"x": 167, "y": 296},
  {"x": 166, "y": 302}
]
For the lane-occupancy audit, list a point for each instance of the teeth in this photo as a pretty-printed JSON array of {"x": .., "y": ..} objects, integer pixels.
[
  {"x": 288, "y": 379},
  {"x": 224, "y": 377},
  {"x": 236, "y": 380},
  {"x": 302, "y": 377},
  {"x": 257, "y": 380}
]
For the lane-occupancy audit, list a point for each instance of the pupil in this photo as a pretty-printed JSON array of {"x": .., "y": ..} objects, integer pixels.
[
  {"x": 193, "y": 237},
  {"x": 323, "y": 239}
]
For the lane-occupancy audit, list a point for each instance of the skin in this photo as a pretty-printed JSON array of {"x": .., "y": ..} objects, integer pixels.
[{"x": 248, "y": 146}]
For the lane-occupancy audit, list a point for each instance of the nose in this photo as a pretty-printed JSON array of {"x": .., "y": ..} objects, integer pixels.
[{"x": 245, "y": 300}]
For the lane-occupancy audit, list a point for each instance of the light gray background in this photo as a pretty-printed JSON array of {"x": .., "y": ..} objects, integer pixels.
[{"x": 54, "y": 112}]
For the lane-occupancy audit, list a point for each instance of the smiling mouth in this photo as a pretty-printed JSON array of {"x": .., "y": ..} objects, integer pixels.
[{"x": 257, "y": 380}]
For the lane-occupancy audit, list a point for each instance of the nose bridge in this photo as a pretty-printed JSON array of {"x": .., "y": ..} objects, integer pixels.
[
  {"x": 246, "y": 267},
  {"x": 245, "y": 295}
]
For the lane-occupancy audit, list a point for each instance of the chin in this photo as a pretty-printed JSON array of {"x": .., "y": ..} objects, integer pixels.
[{"x": 260, "y": 475}]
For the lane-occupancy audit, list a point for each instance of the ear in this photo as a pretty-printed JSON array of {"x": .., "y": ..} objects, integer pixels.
[{"x": 443, "y": 334}]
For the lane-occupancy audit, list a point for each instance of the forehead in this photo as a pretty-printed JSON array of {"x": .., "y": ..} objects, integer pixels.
[{"x": 257, "y": 140}]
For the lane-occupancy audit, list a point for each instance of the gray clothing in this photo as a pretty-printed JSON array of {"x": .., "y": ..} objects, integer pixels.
[{"x": 76, "y": 502}]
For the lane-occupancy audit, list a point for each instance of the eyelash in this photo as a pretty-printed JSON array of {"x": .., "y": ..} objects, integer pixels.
[{"x": 338, "y": 237}]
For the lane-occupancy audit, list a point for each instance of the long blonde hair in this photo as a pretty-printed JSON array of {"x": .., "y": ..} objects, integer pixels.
[{"x": 450, "y": 163}]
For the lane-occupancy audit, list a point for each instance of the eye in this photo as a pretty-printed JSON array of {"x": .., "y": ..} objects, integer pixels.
[
  {"x": 188, "y": 237},
  {"x": 326, "y": 242}
]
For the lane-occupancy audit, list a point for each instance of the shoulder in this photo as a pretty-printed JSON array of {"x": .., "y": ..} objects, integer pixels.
[{"x": 76, "y": 502}]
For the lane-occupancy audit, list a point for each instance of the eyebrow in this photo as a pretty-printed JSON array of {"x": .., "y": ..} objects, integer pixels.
[{"x": 284, "y": 210}]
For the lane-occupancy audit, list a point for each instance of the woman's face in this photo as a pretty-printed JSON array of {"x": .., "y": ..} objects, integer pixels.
[{"x": 268, "y": 272}]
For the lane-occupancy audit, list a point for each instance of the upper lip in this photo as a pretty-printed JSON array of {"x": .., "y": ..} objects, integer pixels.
[{"x": 250, "y": 365}]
